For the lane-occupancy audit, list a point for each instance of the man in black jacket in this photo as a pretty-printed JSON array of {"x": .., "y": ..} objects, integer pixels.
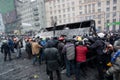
[
  {"x": 6, "y": 50},
  {"x": 52, "y": 59},
  {"x": 98, "y": 46}
]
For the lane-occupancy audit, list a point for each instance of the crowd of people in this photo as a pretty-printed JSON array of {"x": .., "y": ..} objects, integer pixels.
[{"x": 101, "y": 51}]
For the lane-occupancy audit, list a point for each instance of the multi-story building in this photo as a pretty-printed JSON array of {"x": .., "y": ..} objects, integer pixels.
[
  {"x": 10, "y": 22},
  {"x": 70, "y": 11},
  {"x": 31, "y": 14},
  {"x": 7, "y": 8},
  {"x": 2, "y": 27}
]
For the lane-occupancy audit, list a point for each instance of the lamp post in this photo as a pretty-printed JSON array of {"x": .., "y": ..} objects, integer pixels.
[{"x": 54, "y": 28}]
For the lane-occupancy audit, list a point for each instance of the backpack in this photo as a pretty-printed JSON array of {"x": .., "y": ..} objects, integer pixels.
[{"x": 70, "y": 52}]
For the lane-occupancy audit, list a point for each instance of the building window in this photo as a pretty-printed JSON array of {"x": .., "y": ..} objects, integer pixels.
[
  {"x": 63, "y": 10},
  {"x": 107, "y": 9},
  {"x": 119, "y": 25},
  {"x": 114, "y": 8},
  {"x": 99, "y": 28},
  {"x": 58, "y": 6},
  {"x": 107, "y": 27},
  {"x": 73, "y": 14},
  {"x": 68, "y": 15},
  {"x": 58, "y": 0},
  {"x": 99, "y": 10},
  {"x": 108, "y": 2},
  {"x": 63, "y": 5},
  {"x": 68, "y": 9},
  {"x": 85, "y": 9},
  {"x": 50, "y": 7},
  {"x": 114, "y": 20},
  {"x": 60, "y": 21},
  {"x": 99, "y": 22},
  {"x": 93, "y": 11},
  {"x": 114, "y": 26},
  {"x": 108, "y": 21},
  {"x": 93, "y": 8},
  {"x": 72, "y": 3},
  {"x": 73, "y": 9},
  {"x": 64, "y": 20},
  {"x": 64, "y": 15},
  {"x": 93, "y": 5},
  {"x": 80, "y": 7},
  {"x": 114, "y": 1},
  {"x": 59, "y": 16},
  {"x": 69, "y": 20},
  {"x": 80, "y": 13},
  {"x": 68, "y": 4},
  {"x": 59, "y": 11},
  {"x": 89, "y": 7},
  {"x": 87, "y": 17},
  {"x": 55, "y": 17},
  {"x": 114, "y": 14},
  {"x": 107, "y": 15},
  {"x": 80, "y": 1},
  {"x": 99, "y": 4},
  {"x": 55, "y": 11},
  {"x": 99, "y": 16},
  {"x": 51, "y": 17},
  {"x": 51, "y": 12},
  {"x": 94, "y": 16},
  {"x": 85, "y": 1}
]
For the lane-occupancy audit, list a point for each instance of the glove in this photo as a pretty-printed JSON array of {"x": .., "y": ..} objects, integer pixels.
[{"x": 109, "y": 64}]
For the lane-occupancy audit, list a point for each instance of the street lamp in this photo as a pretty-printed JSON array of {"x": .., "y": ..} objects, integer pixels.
[{"x": 54, "y": 28}]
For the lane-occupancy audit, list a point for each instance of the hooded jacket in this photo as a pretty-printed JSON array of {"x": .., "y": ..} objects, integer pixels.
[{"x": 52, "y": 56}]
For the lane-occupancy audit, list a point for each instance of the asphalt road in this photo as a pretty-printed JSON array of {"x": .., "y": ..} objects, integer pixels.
[{"x": 22, "y": 69}]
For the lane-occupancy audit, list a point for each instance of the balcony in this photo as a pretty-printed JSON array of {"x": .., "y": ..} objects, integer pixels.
[
  {"x": 35, "y": 9},
  {"x": 37, "y": 24},
  {"x": 36, "y": 18},
  {"x": 35, "y": 13},
  {"x": 18, "y": 18}
]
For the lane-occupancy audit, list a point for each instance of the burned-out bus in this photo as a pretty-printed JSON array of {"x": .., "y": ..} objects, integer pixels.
[{"x": 77, "y": 28}]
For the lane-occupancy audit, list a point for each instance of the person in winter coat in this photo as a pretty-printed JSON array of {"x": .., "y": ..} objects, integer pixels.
[
  {"x": 18, "y": 45},
  {"x": 115, "y": 68},
  {"x": 60, "y": 48},
  {"x": 117, "y": 44},
  {"x": 28, "y": 49},
  {"x": 69, "y": 51},
  {"x": 11, "y": 44},
  {"x": 42, "y": 42},
  {"x": 98, "y": 46},
  {"x": 35, "y": 51},
  {"x": 81, "y": 52},
  {"x": 6, "y": 50},
  {"x": 52, "y": 59}
]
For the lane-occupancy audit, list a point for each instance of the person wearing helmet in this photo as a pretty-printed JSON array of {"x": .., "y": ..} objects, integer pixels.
[
  {"x": 60, "y": 47},
  {"x": 6, "y": 50},
  {"x": 98, "y": 46},
  {"x": 115, "y": 60}
]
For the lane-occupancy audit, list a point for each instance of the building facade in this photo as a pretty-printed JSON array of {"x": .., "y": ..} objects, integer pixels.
[
  {"x": 70, "y": 11},
  {"x": 7, "y": 8},
  {"x": 9, "y": 20},
  {"x": 31, "y": 13},
  {"x": 2, "y": 27}
]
